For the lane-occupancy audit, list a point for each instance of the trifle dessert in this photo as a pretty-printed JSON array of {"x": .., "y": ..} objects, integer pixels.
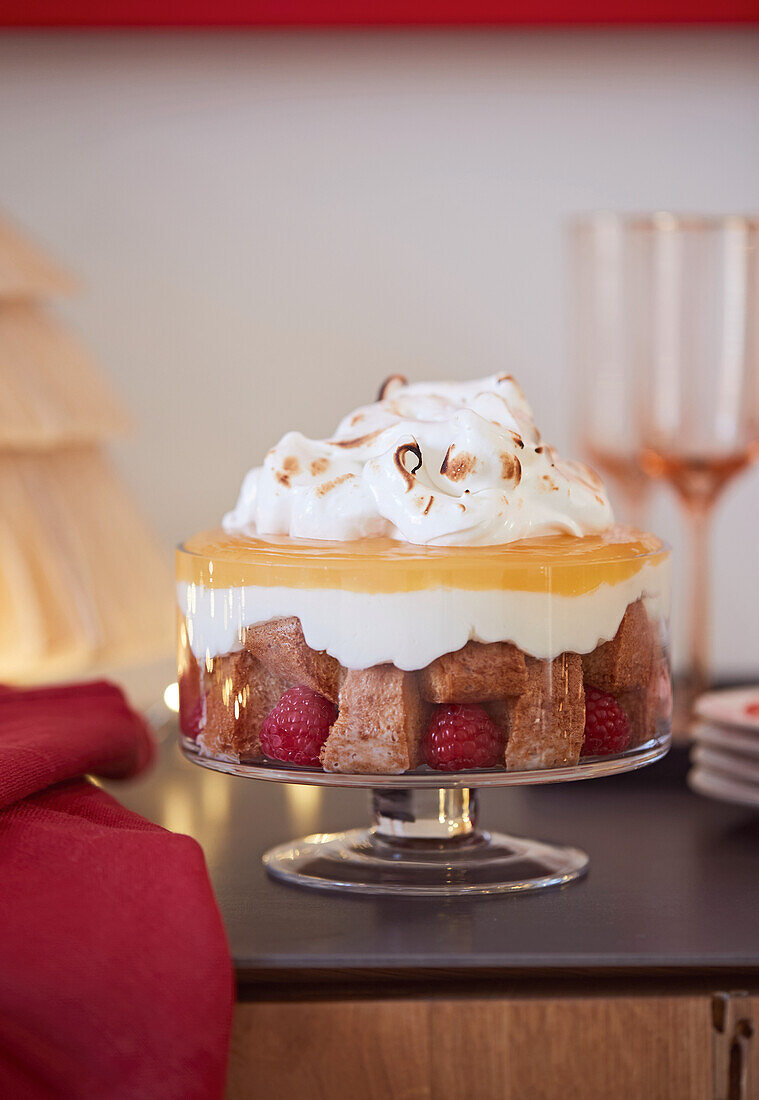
[{"x": 432, "y": 588}]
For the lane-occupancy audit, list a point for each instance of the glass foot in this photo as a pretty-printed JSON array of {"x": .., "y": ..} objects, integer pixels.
[{"x": 424, "y": 842}]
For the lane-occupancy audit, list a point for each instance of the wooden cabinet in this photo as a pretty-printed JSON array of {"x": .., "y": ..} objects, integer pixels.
[{"x": 616, "y": 1047}]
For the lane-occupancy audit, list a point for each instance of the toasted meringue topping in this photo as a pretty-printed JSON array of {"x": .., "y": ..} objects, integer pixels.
[
  {"x": 390, "y": 385},
  {"x": 437, "y": 463}
]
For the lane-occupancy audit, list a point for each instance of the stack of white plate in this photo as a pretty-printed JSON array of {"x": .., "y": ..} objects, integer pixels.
[{"x": 725, "y": 754}]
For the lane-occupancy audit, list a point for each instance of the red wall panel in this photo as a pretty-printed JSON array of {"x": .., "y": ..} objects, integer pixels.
[{"x": 354, "y": 13}]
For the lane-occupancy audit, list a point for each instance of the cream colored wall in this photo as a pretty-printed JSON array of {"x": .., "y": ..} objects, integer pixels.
[{"x": 269, "y": 225}]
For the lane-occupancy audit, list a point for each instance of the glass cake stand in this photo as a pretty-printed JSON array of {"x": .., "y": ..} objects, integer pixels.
[{"x": 425, "y": 838}]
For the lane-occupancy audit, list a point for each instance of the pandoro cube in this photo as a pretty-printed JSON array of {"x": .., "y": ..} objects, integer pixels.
[
  {"x": 476, "y": 673},
  {"x": 281, "y": 647},
  {"x": 546, "y": 724},
  {"x": 624, "y": 663},
  {"x": 239, "y": 694},
  {"x": 379, "y": 725},
  {"x": 651, "y": 704},
  {"x": 641, "y": 711}
]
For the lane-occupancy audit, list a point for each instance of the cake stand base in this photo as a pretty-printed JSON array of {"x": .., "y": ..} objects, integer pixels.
[
  {"x": 424, "y": 839},
  {"x": 424, "y": 842}
]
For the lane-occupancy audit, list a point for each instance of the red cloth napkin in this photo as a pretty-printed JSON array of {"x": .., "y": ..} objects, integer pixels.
[{"x": 115, "y": 977}]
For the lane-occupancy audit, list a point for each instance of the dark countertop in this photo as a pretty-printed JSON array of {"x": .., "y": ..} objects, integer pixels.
[{"x": 673, "y": 884}]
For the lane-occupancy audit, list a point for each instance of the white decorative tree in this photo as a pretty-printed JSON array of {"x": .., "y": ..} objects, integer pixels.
[{"x": 82, "y": 583}]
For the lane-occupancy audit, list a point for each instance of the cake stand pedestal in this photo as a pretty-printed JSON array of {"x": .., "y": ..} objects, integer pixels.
[
  {"x": 425, "y": 838},
  {"x": 424, "y": 842}
]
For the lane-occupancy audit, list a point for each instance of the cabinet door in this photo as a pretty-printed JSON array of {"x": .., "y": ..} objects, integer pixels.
[
  {"x": 625, "y": 1048},
  {"x": 331, "y": 1050}
]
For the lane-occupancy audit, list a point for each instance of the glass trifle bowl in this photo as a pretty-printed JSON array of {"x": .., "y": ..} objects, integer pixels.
[{"x": 422, "y": 670}]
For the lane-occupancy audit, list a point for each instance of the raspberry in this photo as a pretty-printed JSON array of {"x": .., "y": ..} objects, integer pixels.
[
  {"x": 607, "y": 727},
  {"x": 459, "y": 737},
  {"x": 297, "y": 727}
]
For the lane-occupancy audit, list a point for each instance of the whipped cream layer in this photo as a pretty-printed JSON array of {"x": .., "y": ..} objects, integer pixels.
[
  {"x": 439, "y": 464},
  {"x": 411, "y": 629}
]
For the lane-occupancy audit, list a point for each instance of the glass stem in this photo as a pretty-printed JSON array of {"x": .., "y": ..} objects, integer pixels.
[
  {"x": 698, "y": 674},
  {"x": 426, "y": 814}
]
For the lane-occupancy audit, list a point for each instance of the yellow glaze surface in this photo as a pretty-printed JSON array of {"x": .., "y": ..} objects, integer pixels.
[{"x": 562, "y": 564}]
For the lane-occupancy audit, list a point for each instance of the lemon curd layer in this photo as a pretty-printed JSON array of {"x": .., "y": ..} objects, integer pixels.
[
  {"x": 379, "y": 601},
  {"x": 559, "y": 564}
]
